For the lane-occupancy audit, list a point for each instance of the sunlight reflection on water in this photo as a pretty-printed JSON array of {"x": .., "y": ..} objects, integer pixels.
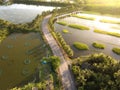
[{"x": 21, "y": 13}]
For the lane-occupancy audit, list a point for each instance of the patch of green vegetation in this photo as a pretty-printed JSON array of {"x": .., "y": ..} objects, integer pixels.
[
  {"x": 66, "y": 47},
  {"x": 3, "y": 34},
  {"x": 78, "y": 27},
  {"x": 80, "y": 46},
  {"x": 116, "y": 50},
  {"x": 30, "y": 86},
  {"x": 98, "y": 45},
  {"x": 116, "y": 27},
  {"x": 107, "y": 33},
  {"x": 65, "y": 31},
  {"x": 62, "y": 23},
  {"x": 97, "y": 72},
  {"x": 84, "y": 17},
  {"x": 110, "y": 21},
  {"x": 91, "y": 12}
]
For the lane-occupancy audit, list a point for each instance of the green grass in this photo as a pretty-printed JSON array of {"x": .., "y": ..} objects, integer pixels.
[
  {"x": 116, "y": 50},
  {"x": 107, "y": 33},
  {"x": 110, "y": 21},
  {"x": 98, "y": 45},
  {"x": 80, "y": 46},
  {"x": 78, "y": 27},
  {"x": 62, "y": 23},
  {"x": 84, "y": 17},
  {"x": 65, "y": 31}
]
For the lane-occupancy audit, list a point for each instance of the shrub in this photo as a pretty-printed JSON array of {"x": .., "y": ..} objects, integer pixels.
[
  {"x": 116, "y": 50},
  {"x": 108, "y": 33},
  {"x": 110, "y": 21},
  {"x": 65, "y": 31},
  {"x": 116, "y": 27},
  {"x": 66, "y": 47},
  {"x": 80, "y": 46},
  {"x": 98, "y": 45},
  {"x": 62, "y": 23},
  {"x": 78, "y": 27},
  {"x": 84, "y": 17}
]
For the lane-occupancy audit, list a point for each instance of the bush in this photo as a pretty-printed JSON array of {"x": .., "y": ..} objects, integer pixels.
[
  {"x": 80, "y": 46},
  {"x": 98, "y": 45},
  {"x": 65, "y": 31},
  {"x": 66, "y": 47},
  {"x": 78, "y": 27},
  {"x": 110, "y": 21},
  {"x": 62, "y": 23},
  {"x": 84, "y": 17},
  {"x": 54, "y": 62},
  {"x": 116, "y": 50},
  {"x": 108, "y": 33},
  {"x": 116, "y": 27}
]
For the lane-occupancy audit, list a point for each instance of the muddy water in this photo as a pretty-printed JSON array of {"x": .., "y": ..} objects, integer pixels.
[{"x": 14, "y": 50}]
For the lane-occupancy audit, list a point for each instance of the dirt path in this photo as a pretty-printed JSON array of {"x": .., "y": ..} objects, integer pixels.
[{"x": 66, "y": 77}]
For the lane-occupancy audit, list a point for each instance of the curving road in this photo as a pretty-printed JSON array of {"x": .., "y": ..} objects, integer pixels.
[{"x": 67, "y": 80}]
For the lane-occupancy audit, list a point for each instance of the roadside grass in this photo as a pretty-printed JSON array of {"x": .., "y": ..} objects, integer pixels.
[
  {"x": 78, "y": 27},
  {"x": 62, "y": 23},
  {"x": 110, "y": 21},
  {"x": 84, "y": 17},
  {"x": 98, "y": 45},
  {"x": 65, "y": 31},
  {"x": 80, "y": 46},
  {"x": 116, "y": 50},
  {"x": 107, "y": 33}
]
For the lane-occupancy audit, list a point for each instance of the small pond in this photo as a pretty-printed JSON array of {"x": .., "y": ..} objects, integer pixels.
[
  {"x": 20, "y": 55},
  {"x": 88, "y": 36}
]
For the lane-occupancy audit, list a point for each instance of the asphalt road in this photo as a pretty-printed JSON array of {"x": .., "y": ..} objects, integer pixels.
[{"x": 67, "y": 80}]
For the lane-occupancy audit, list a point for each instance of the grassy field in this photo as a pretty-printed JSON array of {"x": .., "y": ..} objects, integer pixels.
[
  {"x": 78, "y": 27},
  {"x": 107, "y": 33},
  {"x": 80, "y": 46},
  {"x": 116, "y": 50},
  {"x": 84, "y": 17},
  {"x": 20, "y": 56},
  {"x": 98, "y": 45}
]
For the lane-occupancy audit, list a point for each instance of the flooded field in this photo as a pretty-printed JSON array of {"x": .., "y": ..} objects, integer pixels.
[{"x": 89, "y": 36}]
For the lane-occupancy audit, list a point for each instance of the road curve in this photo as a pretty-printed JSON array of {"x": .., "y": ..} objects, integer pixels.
[{"x": 67, "y": 80}]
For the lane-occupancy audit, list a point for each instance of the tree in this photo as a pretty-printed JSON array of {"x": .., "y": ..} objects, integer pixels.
[{"x": 97, "y": 72}]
